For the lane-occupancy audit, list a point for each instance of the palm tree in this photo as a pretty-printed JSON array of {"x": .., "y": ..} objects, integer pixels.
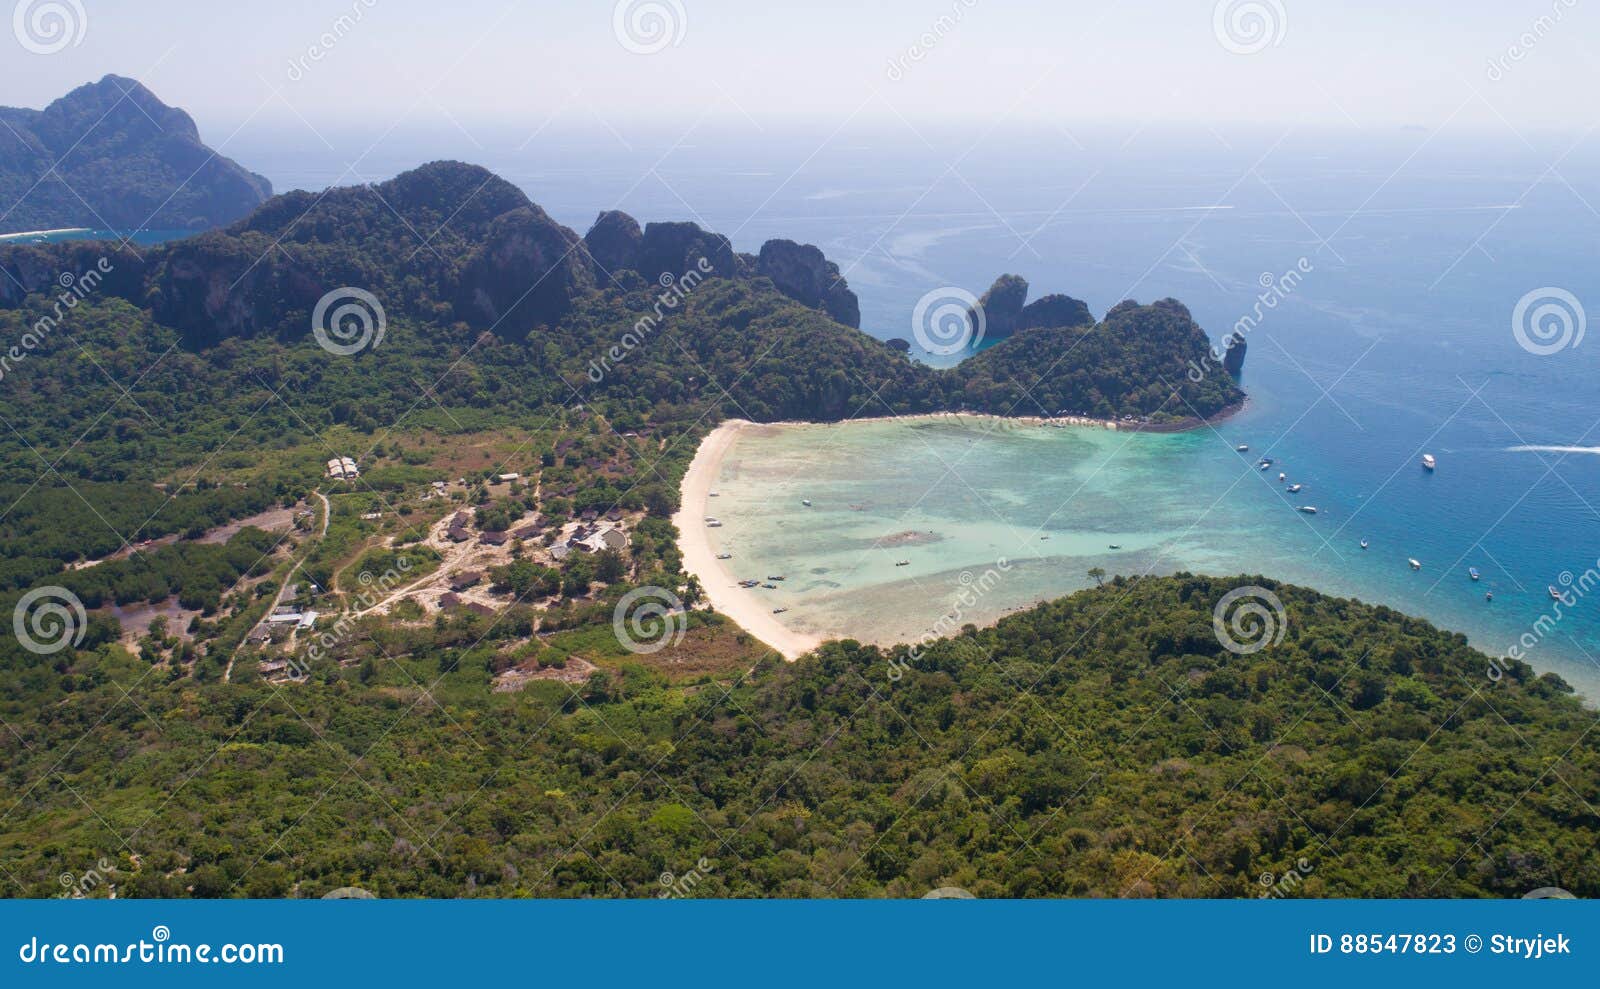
[{"x": 1098, "y": 573}]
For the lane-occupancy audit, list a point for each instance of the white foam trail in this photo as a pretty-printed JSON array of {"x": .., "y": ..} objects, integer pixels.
[{"x": 1553, "y": 449}]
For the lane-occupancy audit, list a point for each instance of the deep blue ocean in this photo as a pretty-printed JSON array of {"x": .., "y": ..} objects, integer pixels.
[{"x": 1398, "y": 339}]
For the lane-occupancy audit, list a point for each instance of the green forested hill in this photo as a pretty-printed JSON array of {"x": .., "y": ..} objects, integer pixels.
[{"x": 1101, "y": 745}]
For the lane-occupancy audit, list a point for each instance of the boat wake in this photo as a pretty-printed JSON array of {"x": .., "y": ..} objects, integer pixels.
[{"x": 1553, "y": 449}]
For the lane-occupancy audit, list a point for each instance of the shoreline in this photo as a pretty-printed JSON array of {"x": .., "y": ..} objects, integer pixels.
[
  {"x": 699, "y": 558},
  {"x": 748, "y": 610}
]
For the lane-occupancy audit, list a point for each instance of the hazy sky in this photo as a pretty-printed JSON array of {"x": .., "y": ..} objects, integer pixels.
[{"x": 1351, "y": 63}]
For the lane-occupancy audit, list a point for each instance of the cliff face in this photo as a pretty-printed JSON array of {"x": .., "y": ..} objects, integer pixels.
[
  {"x": 110, "y": 154},
  {"x": 526, "y": 274},
  {"x": 802, "y": 273}
]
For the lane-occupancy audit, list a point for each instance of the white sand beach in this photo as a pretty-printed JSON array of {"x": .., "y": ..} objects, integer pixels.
[{"x": 723, "y": 591}]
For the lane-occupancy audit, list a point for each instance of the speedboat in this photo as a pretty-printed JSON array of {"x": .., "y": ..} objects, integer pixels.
[
  {"x": 902, "y": 563},
  {"x": 1473, "y": 573},
  {"x": 1114, "y": 546},
  {"x": 1309, "y": 509},
  {"x": 1295, "y": 488},
  {"x": 1363, "y": 544},
  {"x": 1488, "y": 595},
  {"x": 713, "y": 523},
  {"x": 1428, "y": 463},
  {"x": 806, "y": 502},
  {"x": 1243, "y": 448},
  {"x": 1282, "y": 477},
  {"x": 1554, "y": 593},
  {"x": 770, "y": 587},
  {"x": 774, "y": 576},
  {"x": 715, "y": 494},
  {"x": 1415, "y": 565},
  {"x": 779, "y": 611},
  {"x": 724, "y": 556}
]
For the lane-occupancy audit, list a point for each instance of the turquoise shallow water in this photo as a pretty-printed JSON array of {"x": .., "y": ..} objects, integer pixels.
[{"x": 994, "y": 516}]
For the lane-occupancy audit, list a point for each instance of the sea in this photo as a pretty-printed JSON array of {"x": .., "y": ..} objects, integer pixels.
[{"x": 1403, "y": 291}]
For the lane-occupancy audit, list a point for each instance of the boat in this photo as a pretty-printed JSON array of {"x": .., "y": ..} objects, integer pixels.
[
  {"x": 1415, "y": 565},
  {"x": 715, "y": 494},
  {"x": 774, "y": 576},
  {"x": 1428, "y": 463},
  {"x": 1114, "y": 546},
  {"x": 779, "y": 611},
  {"x": 1473, "y": 573},
  {"x": 1554, "y": 593},
  {"x": 770, "y": 587},
  {"x": 1243, "y": 448},
  {"x": 1282, "y": 477},
  {"x": 749, "y": 583},
  {"x": 1488, "y": 595},
  {"x": 1308, "y": 509},
  {"x": 806, "y": 502},
  {"x": 1267, "y": 461},
  {"x": 724, "y": 556},
  {"x": 1363, "y": 544},
  {"x": 902, "y": 563},
  {"x": 1295, "y": 488}
]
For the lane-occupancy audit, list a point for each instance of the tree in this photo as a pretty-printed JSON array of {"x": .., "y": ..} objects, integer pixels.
[{"x": 1098, "y": 573}]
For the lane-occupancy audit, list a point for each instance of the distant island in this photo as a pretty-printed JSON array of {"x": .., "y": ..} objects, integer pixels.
[{"x": 111, "y": 156}]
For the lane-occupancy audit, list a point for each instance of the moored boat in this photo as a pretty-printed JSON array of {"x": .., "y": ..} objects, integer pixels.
[
  {"x": 1428, "y": 463},
  {"x": 1473, "y": 573}
]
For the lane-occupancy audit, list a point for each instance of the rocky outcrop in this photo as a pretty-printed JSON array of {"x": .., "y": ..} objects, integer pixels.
[
  {"x": 615, "y": 241},
  {"x": 1233, "y": 355},
  {"x": 801, "y": 272},
  {"x": 1001, "y": 307},
  {"x": 1054, "y": 311},
  {"x": 670, "y": 249},
  {"x": 110, "y": 154},
  {"x": 525, "y": 274}
]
